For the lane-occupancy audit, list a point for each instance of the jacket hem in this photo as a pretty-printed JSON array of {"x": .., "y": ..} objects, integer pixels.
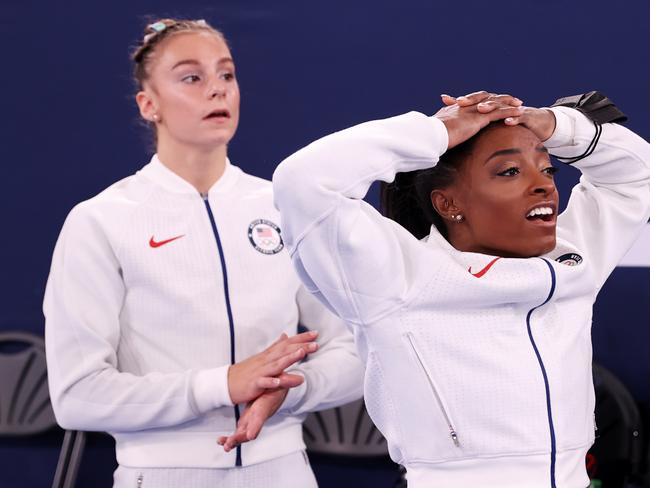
[
  {"x": 200, "y": 449},
  {"x": 531, "y": 471}
]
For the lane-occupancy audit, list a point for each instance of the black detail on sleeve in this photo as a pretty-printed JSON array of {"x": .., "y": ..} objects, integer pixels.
[{"x": 595, "y": 105}]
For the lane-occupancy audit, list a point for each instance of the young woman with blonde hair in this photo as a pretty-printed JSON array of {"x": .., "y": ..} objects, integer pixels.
[{"x": 171, "y": 303}]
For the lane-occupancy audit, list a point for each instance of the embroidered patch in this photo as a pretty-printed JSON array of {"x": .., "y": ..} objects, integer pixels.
[
  {"x": 570, "y": 259},
  {"x": 265, "y": 236}
]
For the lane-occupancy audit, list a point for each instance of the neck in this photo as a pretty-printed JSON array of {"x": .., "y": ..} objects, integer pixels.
[
  {"x": 201, "y": 167},
  {"x": 461, "y": 240}
]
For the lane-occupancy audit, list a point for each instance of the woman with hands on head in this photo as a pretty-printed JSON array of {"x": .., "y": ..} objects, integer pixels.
[
  {"x": 171, "y": 303},
  {"x": 472, "y": 302}
]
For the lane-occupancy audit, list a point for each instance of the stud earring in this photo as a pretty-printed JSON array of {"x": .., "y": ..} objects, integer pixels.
[
  {"x": 156, "y": 118},
  {"x": 457, "y": 217}
]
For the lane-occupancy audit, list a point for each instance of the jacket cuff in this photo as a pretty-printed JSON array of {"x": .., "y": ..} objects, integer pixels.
[
  {"x": 210, "y": 389},
  {"x": 441, "y": 129},
  {"x": 573, "y": 133},
  {"x": 563, "y": 134}
]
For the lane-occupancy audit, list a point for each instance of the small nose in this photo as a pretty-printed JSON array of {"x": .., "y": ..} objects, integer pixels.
[
  {"x": 216, "y": 91},
  {"x": 543, "y": 185}
]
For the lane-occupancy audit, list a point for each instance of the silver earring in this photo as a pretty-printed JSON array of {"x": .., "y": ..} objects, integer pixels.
[
  {"x": 457, "y": 217},
  {"x": 156, "y": 117}
]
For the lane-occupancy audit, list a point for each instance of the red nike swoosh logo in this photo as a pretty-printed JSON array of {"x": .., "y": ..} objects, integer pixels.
[
  {"x": 154, "y": 244},
  {"x": 484, "y": 270}
]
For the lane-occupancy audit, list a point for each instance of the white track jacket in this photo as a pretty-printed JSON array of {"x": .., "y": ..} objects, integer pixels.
[
  {"x": 154, "y": 291},
  {"x": 474, "y": 381}
]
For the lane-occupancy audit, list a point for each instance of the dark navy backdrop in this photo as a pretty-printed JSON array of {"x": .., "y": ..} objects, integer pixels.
[{"x": 70, "y": 128}]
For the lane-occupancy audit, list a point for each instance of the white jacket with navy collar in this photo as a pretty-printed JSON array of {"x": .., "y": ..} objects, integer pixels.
[
  {"x": 474, "y": 381},
  {"x": 154, "y": 291}
]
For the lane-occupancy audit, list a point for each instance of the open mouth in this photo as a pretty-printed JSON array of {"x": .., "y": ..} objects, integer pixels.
[
  {"x": 542, "y": 213},
  {"x": 217, "y": 114}
]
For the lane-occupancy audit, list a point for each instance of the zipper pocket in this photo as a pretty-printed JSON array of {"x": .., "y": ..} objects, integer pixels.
[{"x": 441, "y": 404}]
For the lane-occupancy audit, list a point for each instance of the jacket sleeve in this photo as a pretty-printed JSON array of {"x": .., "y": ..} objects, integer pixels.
[
  {"x": 334, "y": 374},
  {"x": 83, "y": 301},
  {"x": 345, "y": 252},
  {"x": 610, "y": 205}
]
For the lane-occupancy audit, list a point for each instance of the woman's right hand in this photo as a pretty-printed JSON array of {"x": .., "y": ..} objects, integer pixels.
[
  {"x": 465, "y": 116},
  {"x": 254, "y": 417},
  {"x": 251, "y": 377}
]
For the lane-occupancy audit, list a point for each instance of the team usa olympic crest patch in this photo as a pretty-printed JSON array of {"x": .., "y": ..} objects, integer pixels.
[
  {"x": 570, "y": 259},
  {"x": 265, "y": 236}
]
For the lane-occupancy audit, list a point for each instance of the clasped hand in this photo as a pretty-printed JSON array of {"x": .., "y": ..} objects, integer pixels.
[
  {"x": 262, "y": 383},
  {"x": 466, "y": 115}
]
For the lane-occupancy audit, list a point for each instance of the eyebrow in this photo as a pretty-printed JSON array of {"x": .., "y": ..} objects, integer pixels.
[
  {"x": 195, "y": 62},
  {"x": 514, "y": 150}
]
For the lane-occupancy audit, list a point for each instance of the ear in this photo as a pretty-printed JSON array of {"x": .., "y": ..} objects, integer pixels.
[
  {"x": 445, "y": 204},
  {"x": 146, "y": 105}
]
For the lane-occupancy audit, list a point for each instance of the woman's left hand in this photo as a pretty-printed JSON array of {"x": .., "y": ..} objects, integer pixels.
[{"x": 252, "y": 420}]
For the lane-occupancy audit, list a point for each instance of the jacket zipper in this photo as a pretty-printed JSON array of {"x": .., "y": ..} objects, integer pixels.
[
  {"x": 544, "y": 375},
  {"x": 139, "y": 480},
  {"x": 231, "y": 323},
  {"x": 441, "y": 404}
]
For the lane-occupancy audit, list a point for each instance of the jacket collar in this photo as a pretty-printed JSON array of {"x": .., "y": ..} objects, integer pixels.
[{"x": 161, "y": 175}]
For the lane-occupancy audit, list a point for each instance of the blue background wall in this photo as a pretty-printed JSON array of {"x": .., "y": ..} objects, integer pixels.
[{"x": 69, "y": 126}]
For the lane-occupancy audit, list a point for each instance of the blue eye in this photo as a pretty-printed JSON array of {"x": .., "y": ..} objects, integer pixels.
[{"x": 513, "y": 171}]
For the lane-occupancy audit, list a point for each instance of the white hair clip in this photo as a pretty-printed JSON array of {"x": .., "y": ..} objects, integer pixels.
[{"x": 157, "y": 28}]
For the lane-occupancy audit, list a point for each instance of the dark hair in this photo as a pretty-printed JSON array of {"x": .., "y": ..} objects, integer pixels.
[
  {"x": 407, "y": 200},
  {"x": 154, "y": 34}
]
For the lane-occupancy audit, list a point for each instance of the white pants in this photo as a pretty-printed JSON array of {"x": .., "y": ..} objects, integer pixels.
[{"x": 290, "y": 471}]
